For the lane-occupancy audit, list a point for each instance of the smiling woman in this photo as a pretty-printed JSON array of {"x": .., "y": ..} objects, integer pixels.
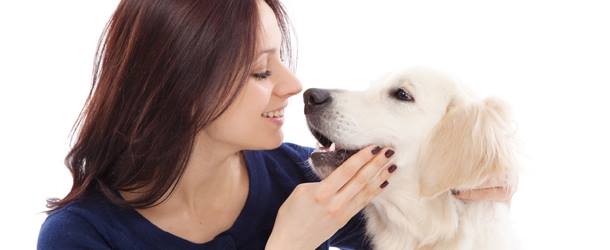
[
  {"x": 148, "y": 100},
  {"x": 180, "y": 144},
  {"x": 549, "y": 59}
]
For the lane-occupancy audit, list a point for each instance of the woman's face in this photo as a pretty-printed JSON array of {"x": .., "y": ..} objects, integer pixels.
[{"x": 255, "y": 118}]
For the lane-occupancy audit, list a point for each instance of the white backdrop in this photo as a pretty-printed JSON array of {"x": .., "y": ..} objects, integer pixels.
[{"x": 549, "y": 59}]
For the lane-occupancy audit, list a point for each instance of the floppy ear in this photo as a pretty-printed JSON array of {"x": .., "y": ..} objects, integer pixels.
[{"x": 471, "y": 143}]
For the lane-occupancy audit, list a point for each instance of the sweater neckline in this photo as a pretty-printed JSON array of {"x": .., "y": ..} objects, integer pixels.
[{"x": 240, "y": 226}]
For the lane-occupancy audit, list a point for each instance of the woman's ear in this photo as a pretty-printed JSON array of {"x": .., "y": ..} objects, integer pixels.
[{"x": 471, "y": 143}]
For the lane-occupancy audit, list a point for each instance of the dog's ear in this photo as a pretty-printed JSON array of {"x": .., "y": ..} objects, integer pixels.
[{"x": 471, "y": 143}]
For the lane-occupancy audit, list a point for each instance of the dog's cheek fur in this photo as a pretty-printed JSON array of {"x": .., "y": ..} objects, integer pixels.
[{"x": 471, "y": 143}]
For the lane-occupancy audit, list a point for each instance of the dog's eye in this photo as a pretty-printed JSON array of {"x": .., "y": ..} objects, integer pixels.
[{"x": 403, "y": 95}]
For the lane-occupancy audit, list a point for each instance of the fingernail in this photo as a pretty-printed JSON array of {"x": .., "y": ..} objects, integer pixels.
[
  {"x": 384, "y": 184},
  {"x": 455, "y": 192},
  {"x": 389, "y": 153},
  {"x": 392, "y": 168},
  {"x": 376, "y": 150}
]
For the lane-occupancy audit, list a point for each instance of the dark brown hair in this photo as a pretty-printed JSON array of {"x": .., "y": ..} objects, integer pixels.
[{"x": 163, "y": 71}]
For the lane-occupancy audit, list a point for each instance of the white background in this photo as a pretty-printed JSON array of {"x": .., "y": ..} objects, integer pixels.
[{"x": 549, "y": 59}]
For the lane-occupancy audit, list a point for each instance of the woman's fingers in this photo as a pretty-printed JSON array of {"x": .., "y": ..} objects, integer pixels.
[
  {"x": 344, "y": 173},
  {"x": 500, "y": 188},
  {"x": 364, "y": 177},
  {"x": 500, "y": 194},
  {"x": 375, "y": 187}
]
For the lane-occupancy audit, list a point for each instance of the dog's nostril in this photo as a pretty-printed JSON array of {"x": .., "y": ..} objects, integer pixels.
[
  {"x": 316, "y": 96},
  {"x": 316, "y": 99}
]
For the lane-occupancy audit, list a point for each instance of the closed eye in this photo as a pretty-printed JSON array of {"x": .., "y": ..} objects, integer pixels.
[
  {"x": 262, "y": 75},
  {"x": 402, "y": 95}
]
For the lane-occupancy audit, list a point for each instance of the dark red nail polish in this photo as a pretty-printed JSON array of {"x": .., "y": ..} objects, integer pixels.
[
  {"x": 384, "y": 184},
  {"x": 389, "y": 153},
  {"x": 392, "y": 168},
  {"x": 455, "y": 192},
  {"x": 376, "y": 150}
]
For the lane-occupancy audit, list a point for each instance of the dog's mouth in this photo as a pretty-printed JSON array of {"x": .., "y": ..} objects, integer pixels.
[{"x": 328, "y": 153}]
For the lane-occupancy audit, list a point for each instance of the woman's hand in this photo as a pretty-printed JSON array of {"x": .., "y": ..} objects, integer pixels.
[
  {"x": 315, "y": 211},
  {"x": 500, "y": 194},
  {"x": 493, "y": 190}
]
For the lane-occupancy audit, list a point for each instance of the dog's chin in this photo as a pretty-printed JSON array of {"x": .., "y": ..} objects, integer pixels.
[
  {"x": 331, "y": 158},
  {"x": 329, "y": 155}
]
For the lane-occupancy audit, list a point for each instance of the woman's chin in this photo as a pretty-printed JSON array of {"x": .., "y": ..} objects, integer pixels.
[{"x": 275, "y": 140}]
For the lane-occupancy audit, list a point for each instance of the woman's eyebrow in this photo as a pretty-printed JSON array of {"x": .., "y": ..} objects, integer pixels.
[{"x": 270, "y": 50}]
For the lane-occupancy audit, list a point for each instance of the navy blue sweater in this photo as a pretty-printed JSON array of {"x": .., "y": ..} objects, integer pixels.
[{"x": 92, "y": 222}]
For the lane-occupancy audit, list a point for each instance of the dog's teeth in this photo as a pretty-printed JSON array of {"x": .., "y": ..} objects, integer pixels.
[{"x": 321, "y": 147}]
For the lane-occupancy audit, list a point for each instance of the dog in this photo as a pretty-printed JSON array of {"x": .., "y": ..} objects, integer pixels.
[{"x": 445, "y": 139}]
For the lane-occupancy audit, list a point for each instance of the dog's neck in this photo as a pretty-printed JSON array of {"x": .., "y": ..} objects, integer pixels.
[{"x": 401, "y": 199}]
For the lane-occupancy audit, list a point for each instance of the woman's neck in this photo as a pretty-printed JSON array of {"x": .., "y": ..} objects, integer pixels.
[
  {"x": 209, "y": 196},
  {"x": 214, "y": 173}
]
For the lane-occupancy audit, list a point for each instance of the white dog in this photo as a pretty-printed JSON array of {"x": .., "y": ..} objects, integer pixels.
[{"x": 444, "y": 139}]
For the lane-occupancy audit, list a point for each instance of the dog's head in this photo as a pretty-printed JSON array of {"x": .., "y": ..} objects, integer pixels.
[{"x": 433, "y": 125}]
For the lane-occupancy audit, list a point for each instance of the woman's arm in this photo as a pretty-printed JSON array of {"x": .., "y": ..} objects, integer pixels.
[
  {"x": 353, "y": 235},
  {"x": 315, "y": 211}
]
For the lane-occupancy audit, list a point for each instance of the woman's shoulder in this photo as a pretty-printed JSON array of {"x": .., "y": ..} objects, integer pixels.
[{"x": 77, "y": 224}]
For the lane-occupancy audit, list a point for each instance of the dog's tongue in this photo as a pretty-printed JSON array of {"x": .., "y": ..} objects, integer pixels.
[{"x": 331, "y": 158}]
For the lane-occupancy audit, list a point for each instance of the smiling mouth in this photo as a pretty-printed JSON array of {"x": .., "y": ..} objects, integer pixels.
[
  {"x": 329, "y": 153},
  {"x": 278, "y": 113}
]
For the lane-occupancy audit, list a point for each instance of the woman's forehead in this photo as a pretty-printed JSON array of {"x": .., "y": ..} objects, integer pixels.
[{"x": 270, "y": 35}]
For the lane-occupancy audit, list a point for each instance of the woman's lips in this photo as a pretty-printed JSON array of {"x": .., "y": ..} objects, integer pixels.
[{"x": 275, "y": 116}]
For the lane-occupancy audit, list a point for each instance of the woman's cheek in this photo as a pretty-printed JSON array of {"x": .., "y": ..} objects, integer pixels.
[{"x": 261, "y": 96}]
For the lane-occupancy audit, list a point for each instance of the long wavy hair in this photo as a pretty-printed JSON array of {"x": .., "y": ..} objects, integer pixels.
[{"x": 163, "y": 71}]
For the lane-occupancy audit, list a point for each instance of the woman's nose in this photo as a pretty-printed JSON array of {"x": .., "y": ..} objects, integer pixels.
[{"x": 287, "y": 85}]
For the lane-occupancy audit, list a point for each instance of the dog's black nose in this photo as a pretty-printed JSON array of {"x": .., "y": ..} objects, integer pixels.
[{"x": 316, "y": 99}]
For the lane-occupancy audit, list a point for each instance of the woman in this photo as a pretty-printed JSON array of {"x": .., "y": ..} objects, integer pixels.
[{"x": 180, "y": 142}]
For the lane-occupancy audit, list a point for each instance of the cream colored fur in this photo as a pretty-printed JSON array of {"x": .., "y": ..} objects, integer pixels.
[{"x": 447, "y": 139}]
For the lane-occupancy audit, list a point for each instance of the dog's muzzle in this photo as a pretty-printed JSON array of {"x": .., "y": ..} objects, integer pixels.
[{"x": 317, "y": 102}]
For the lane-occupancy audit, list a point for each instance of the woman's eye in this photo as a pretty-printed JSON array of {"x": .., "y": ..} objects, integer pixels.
[
  {"x": 403, "y": 95},
  {"x": 262, "y": 75}
]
